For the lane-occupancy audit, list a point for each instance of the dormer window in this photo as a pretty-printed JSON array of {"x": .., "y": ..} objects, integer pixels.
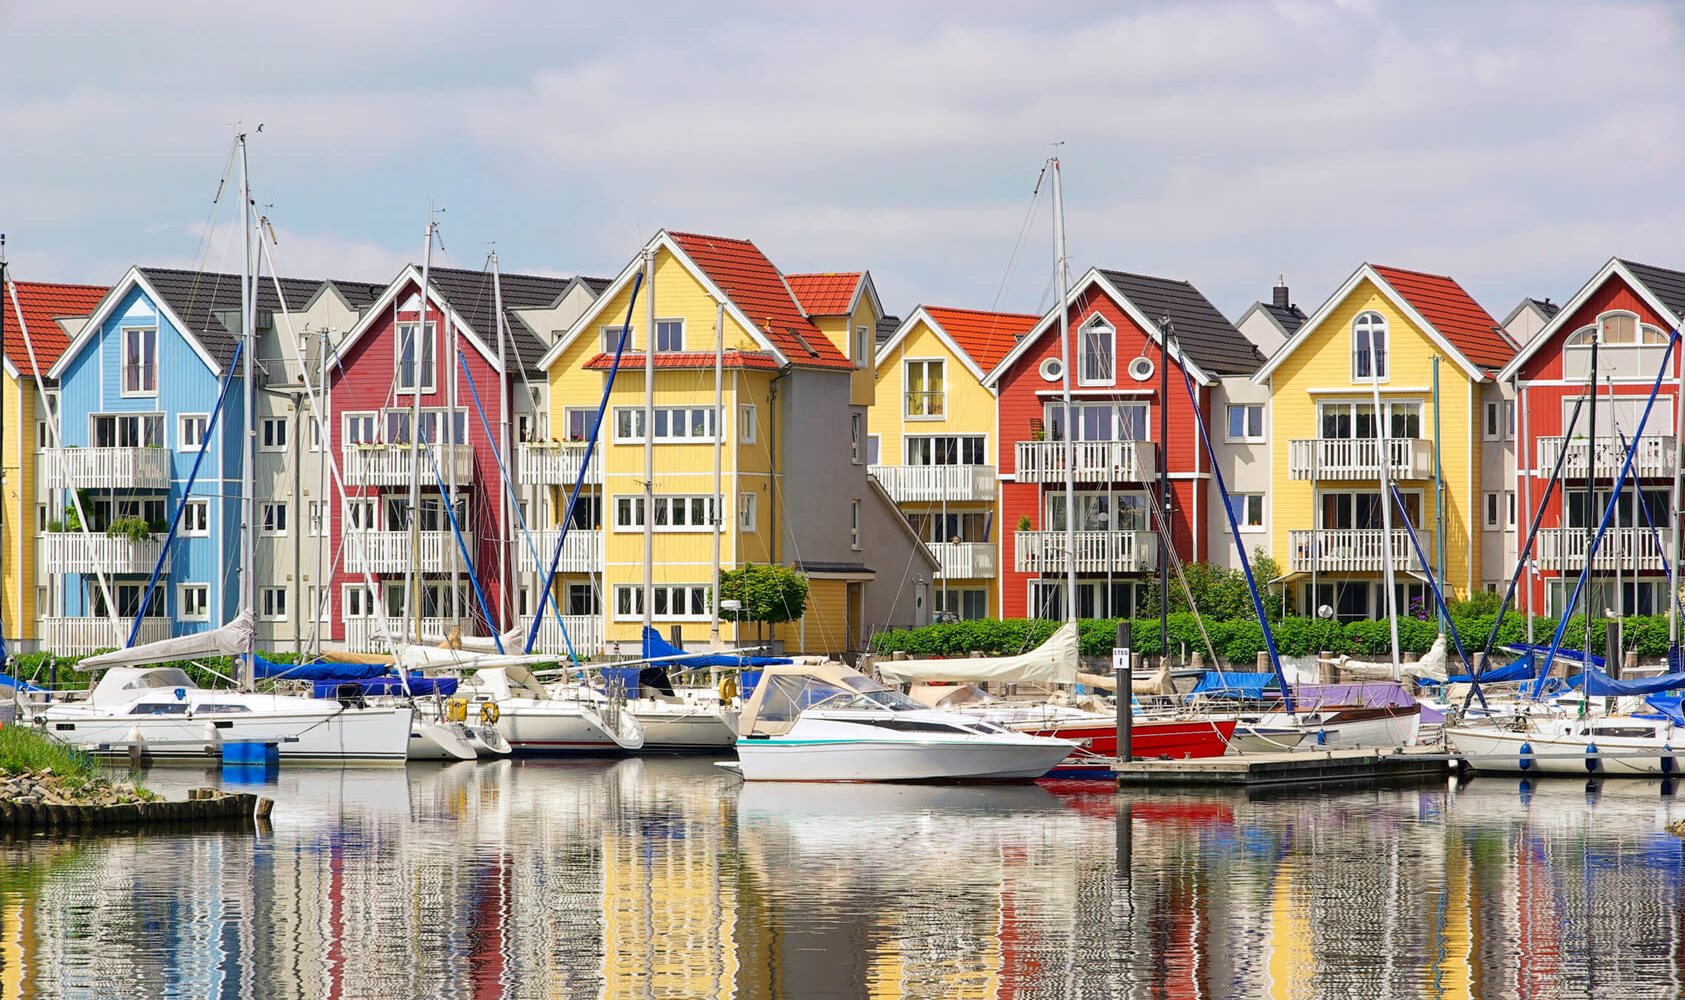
[
  {"x": 1632, "y": 349},
  {"x": 140, "y": 361},
  {"x": 1097, "y": 353},
  {"x": 1369, "y": 347},
  {"x": 409, "y": 346}
]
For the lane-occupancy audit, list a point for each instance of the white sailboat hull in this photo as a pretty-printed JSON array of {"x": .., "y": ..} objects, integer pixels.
[
  {"x": 677, "y": 726},
  {"x": 1568, "y": 753},
  {"x": 440, "y": 741},
  {"x": 374, "y": 734},
  {"x": 556, "y": 727}
]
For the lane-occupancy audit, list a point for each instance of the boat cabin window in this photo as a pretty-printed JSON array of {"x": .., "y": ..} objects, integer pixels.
[
  {"x": 164, "y": 677},
  {"x": 160, "y": 708},
  {"x": 1633, "y": 732},
  {"x": 222, "y": 709},
  {"x": 788, "y": 697}
]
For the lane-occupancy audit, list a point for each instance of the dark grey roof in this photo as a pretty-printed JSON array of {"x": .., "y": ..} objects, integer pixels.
[
  {"x": 1200, "y": 330},
  {"x": 886, "y": 328},
  {"x": 209, "y": 303},
  {"x": 470, "y": 295},
  {"x": 1290, "y": 318},
  {"x": 1664, "y": 283},
  {"x": 359, "y": 295},
  {"x": 597, "y": 285},
  {"x": 1546, "y": 307}
]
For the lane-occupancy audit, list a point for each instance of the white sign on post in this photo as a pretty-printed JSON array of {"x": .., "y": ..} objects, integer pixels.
[{"x": 1120, "y": 659}]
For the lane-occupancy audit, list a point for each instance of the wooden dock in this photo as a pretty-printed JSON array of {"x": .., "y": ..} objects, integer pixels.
[{"x": 1359, "y": 766}]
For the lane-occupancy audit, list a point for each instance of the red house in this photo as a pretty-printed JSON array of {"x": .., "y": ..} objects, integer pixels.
[
  {"x": 1630, "y": 310},
  {"x": 1115, "y": 319}
]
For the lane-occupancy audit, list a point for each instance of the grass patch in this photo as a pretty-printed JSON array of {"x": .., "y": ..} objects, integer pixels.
[{"x": 24, "y": 750}]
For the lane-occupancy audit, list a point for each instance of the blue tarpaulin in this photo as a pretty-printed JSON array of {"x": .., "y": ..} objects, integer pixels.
[
  {"x": 1522, "y": 668},
  {"x": 656, "y": 647},
  {"x": 420, "y": 686},
  {"x": 1598, "y": 683},
  {"x": 8, "y": 681},
  {"x": 1565, "y": 654},
  {"x": 1232, "y": 685},
  {"x": 268, "y": 669}
]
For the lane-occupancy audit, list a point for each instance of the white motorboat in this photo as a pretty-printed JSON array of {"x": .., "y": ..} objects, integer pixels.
[
  {"x": 828, "y": 722},
  {"x": 1616, "y": 745},
  {"x": 558, "y": 719},
  {"x": 166, "y": 714}
]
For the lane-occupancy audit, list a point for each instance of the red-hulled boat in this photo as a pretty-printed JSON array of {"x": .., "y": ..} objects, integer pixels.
[{"x": 1174, "y": 739}]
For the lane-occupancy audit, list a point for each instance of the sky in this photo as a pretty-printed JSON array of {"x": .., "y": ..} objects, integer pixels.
[{"x": 1514, "y": 146}]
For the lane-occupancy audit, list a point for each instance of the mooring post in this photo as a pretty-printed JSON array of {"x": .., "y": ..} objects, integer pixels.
[{"x": 1121, "y": 677}]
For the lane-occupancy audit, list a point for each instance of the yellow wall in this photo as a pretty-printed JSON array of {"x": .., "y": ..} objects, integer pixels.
[
  {"x": 824, "y": 629},
  {"x": 17, "y": 532},
  {"x": 1325, "y": 362}
]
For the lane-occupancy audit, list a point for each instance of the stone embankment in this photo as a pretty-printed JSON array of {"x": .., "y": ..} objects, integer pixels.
[{"x": 41, "y": 800}]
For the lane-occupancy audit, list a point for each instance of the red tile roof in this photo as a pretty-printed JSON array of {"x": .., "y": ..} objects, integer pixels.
[
  {"x": 688, "y": 359},
  {"x": 824, "y": 294},
  {"x": 1457, "y": 317},
  {"x": 744, "y": 274},
  {"x": 986, "y": 336},
  {"x": 42, "y": 305}
]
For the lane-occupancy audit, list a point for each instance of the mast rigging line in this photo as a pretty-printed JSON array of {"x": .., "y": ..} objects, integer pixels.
[
  {"x": 461, "y": 545},
  {"x": 1649, "y": 520},
  {"x": 1438, "y": 596}
]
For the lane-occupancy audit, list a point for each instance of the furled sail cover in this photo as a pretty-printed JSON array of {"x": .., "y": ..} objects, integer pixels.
[
  {"x": 1053, "y": 662},
  {"x": 229, "y": 640},
  {"x": 656, "y": 647}
]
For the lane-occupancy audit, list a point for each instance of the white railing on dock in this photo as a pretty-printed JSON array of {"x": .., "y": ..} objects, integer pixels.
[
  {"x": 1096, "y": 461},
  {"x": 363, "y": 634},
  {"x": 554, "y": 464},
  {"x": 103, "y": 468},
  {"x": 1654, "y": 457},
  {"x": 1354, "y": 550},
  {"x": 390, "y": 464},
  {"x": 1621, "y": 549},
  {"x": 1359, "y": 458},
  {"x": 964, "y": 560},
  {"x": 582, "y": 551},
  {"x": 585, "y": 632},
  {"x": 79, "y": 636},
  {"x": 75, "y": 552},
  {"x": 935, "y": 483},
  {"x": 391, "y": 551},
  {"x": 1096, "y": 551}
]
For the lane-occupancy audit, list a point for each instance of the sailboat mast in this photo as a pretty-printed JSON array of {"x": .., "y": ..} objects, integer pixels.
[
  {"x": 1377, "y": 357},
  {"x": 248, "y": 455},
  {"x": 649, "y": 440},
  {"x": 506, "y": 521},
  {"x": 418, "y": 339},
  {"x": 1674, "y": 508},
  {"x": 1063, "y": 276},
  {"x": 5, "y": 651},
  {"x": 719, "y": 453},
  {"x": 1591, "y": 478},
  {"x": 444, "y": 435}
]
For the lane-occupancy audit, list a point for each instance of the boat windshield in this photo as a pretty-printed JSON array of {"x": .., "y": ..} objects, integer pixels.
[{"x": 788, "y": 697}]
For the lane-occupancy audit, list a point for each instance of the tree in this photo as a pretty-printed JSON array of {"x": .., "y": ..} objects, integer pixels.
[{"x": 767, "y": 593}]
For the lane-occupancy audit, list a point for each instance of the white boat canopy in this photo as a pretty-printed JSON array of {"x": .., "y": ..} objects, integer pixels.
[
  {"x": 1053, "y": 662},
  {"x": 229, "y": 640}
]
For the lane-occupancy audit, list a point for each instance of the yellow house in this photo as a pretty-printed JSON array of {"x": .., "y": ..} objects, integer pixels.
[
  {"x": 794, "y": 386},
  {"x": 934, "y": 440},
  {"x": 50, "y": 314},
  {"x": 1382, "y": 331}
]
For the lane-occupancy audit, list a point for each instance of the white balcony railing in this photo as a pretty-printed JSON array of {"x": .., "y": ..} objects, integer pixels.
[
  {"x": 80, "y": 636},
  {"x": 103, "y": 468},
  {"x": 932, "y": 483},
  {"x": 1355, "y": 550},
  {"x": 964, "y": 560},
  {"x": 539, "y": 464},
  {"x": 582, "y": 551},
  {"x": 390, "y": 464},
  {"x": 363, "y": 634},
  {"x": 1096, "y": 551},
  {"x": 1654, "y": 458},
  {"x": 75, "y": 552},
  {"x": 585, "y": 632},
  {"x": 1564, "y": 549},
  {"x": 1096, "y": 461},
  {"x": 392, "y": 552},
  {"x": 1358, "y": 458}
]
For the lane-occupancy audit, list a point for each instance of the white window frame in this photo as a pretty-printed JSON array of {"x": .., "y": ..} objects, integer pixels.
[
  {"x": 854, "y": 525},
  {"x": 1491, "y": 517},
  {"x": 314, "y": 596},
  {"x": 357, "y": 601},
  {"x": 857, "y": 438},
  {"x": 273, "y": 518},
  {"x": 368, "y": 420},
  {"x": 628, "y": 601},
  {"x": 272, "y": 433},
  {"x": 1096, "y": 326},
  {"x": 1509, "y": 503},
  {"x": 863, "y": 347},
  {"x": 747, "y": 429},
  {"x": 1246, "y": 437},
  {"x": 1243, "y": 518},
  {"x": 874, "y": 449},
  {"x": 613, "y": 330},
  {"x": 1491, "y": 422},
  {"x": 940, "y": 410},
  {"x": 316, "y": 518},
  {"x": 188, "y": 422},
  {"x": 196, "y": 511},
  {"x": 666, "y": 504},
  {"x": 633, "y": 417},
  {"x": 315, "y": 432},
  {"x": 140, "y": 422},
  {"x": 203, "y": 592},
  {"x": 427, "y": 359},
  {"x": 661, "y": 334},
  {"x": 746, "y": 512},
  {"x": 123, "y": 366},
  {"x": 1379, "y": 360},
  {"x": 44, "y": 424},
  {"x": 272, "y": 604}
]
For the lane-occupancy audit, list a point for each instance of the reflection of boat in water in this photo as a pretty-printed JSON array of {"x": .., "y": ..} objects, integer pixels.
[{"x": 869, "y": 801}]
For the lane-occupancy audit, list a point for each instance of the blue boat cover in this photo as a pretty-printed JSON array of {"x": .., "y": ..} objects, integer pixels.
[
  {"x": 1227, "y": 684},
  {"x": 1522, "y": 668},
  {"x": 268, "y": 669},
  {"x": 1598, "y": 683},
  {"x": 8, "y": 681},
  {"x": 1569, "y": 655},
  {"x": 420, "y": 686},
  {"x": 1668, "y": 707},
  {"x": 656, "y": 647}
]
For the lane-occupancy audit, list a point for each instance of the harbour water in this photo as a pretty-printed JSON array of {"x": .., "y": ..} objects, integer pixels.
[{"x": 669, "y": 878}]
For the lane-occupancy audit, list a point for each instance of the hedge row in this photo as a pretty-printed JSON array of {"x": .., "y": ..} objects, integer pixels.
[{"x": 1240, "y": 640}]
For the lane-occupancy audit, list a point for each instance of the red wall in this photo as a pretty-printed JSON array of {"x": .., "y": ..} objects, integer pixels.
[
  {"x": 364, "y": 381},
  {"x": 1019, "y": 404}
]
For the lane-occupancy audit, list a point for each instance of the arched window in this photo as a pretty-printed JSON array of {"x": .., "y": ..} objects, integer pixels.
[
  {"x": 1619, "y": 329},
  {"x": 1369, "y": 347},
  {"x": 1096, "y": 353}
]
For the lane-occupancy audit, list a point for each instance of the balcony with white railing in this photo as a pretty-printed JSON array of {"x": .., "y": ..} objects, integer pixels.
[
  {"x": 103, "y": 468},
  {"x": 75, "y": 552},
  {"x": 551, "y": 464},
  {"x": 1654, "y": 458},
  {"x": 1096, "y": 551},
  {"x": 934, "y": 483},
  {"x": 585, "y": 633},
  {"x": 393, "y": 551},
  {"x": 79, "y": 636},
  {"x": 1355, "y": 550},
  {"x": 1096, "y": 461},
  {"x": 363, "y": 635},
  {"x": 964, "y": 560},
  {"x": 1630, "y": 549},
  {"x": 391, "y": 464},
  {"x": 1359, "y": 458},
  {"x": 582, "y": 551}
]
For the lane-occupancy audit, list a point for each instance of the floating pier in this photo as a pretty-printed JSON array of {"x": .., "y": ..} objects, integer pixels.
[{"x": 1298, "y": 767}]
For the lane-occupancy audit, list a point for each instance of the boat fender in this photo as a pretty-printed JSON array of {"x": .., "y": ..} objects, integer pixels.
[
  {"x": 1321, "y": 737},
  {"x": 1526, "y": 756},
  {"x": 728, "y": 687},
  {"x": 456, "y": 710},
  {"x": 489, "y": 713},
  {"x": 1592, "y": 762},
  {"x": 1669, "y": 765}
]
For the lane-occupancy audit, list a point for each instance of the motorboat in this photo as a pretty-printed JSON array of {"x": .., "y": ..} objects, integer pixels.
[
  {"x": 163, "y": 712},
  {"x": 829, "y": 722},
  {"x": 558, "y": 719},
  {"x": 1613, "y": 745}
]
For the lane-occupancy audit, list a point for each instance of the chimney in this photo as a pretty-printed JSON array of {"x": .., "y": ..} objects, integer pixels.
[{"x": 1281, "y": 301}]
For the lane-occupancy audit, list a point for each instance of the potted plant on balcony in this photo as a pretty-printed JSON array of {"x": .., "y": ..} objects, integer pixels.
[
  {"x": 135, "y": 529},
  {"x": 1023, "y": 522}
]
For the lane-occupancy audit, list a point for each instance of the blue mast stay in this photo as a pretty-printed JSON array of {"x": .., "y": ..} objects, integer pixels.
[{"x": 1433, "y": 585}]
